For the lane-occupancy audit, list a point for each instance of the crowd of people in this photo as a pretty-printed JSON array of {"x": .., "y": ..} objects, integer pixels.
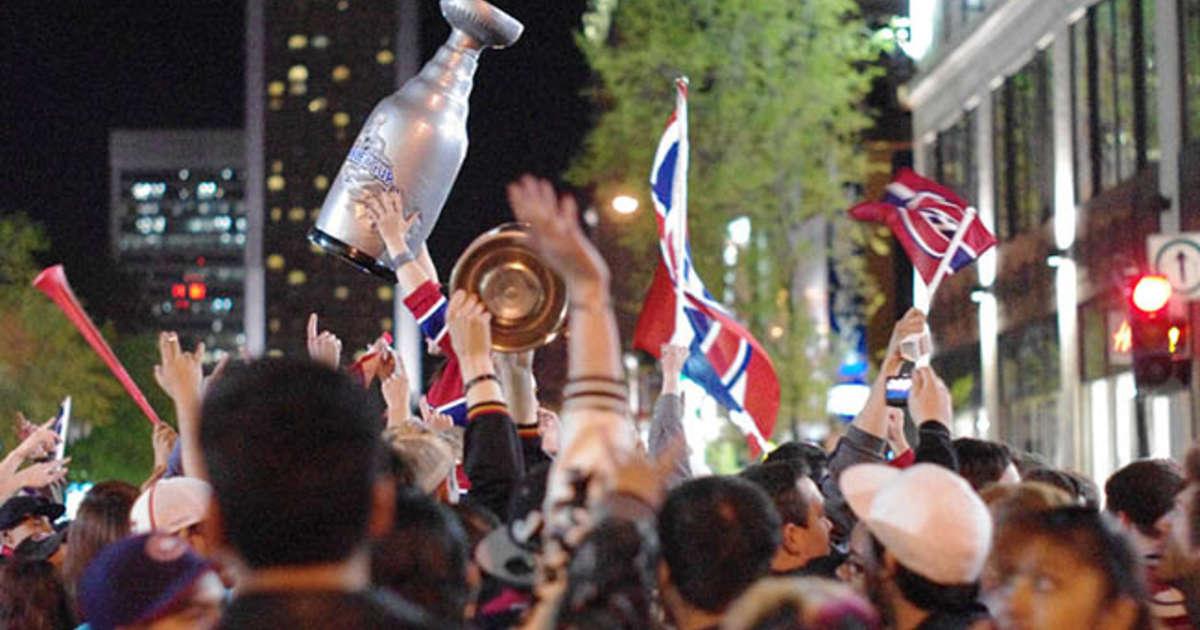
[{"x": 289, "y": 499}]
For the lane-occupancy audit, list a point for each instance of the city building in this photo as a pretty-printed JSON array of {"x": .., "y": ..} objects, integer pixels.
[
  {"x": 314, "y": 70},
  {"x": 1072, "y": 126},
  {"x": 178, "y": 225}
]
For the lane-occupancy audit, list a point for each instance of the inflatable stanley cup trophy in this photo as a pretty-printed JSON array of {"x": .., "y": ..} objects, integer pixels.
[{"x": 415, "y": 140}]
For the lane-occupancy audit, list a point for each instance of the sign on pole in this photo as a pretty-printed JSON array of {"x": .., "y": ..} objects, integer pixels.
[{"x": 1177, "y": 256}]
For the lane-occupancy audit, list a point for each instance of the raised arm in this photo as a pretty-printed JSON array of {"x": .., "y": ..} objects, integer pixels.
[
  {"x": 40, "y": 442},
  {"x": 491, "y": 451},
  {"x": 596, "y": 429},
  {"x": 181, "y": 375},
  {"x": 666, "y": 427}
]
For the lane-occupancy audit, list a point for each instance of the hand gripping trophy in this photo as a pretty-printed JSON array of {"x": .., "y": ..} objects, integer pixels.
[{"x": 415, "y": 141}]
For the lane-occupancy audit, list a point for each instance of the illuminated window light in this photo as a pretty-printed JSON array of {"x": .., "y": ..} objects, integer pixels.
[
  {"x": 298, "y": 89},
  {"x": 385, "y": 323},
  {"x": 317, "y": 104},
  {"x": 275, "y": 104},
  {"x": 276, "y": 166},
  {"x": 275, "y": 262},
  {"x": 296, "y": 277},
  {"x": 275, "y": 183},
  {"x": 227, "y": 174},
  {"x": 297, "y": 73},
  {"x": 276, "y": 214},
  {"x": 274, "y": 325},
  {"x": 297, "y": 42},
  {"x": 341, "y": 293},
  {"x": 342, "y": 5},
  {"x": 320, "y": 182},
  {"x": 276, "y": 88},
  {"x": 320, "y": 41},
  {"x": 296, "y": 215},
  {"x": 340, "y": 74},
  {"x": 314, "y": 213},
  {"x": 384, "y": 57},
  {"x": 385, "y": 293},
  {"x": 341, "y": 119}
]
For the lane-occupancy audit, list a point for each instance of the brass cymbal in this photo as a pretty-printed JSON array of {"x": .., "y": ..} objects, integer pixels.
[{"x": 526, "y": 298}]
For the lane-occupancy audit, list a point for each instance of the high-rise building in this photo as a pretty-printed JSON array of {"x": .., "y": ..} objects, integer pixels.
[
  {"x": 1072, "y": 126},
  {"x": 178, "y": 223},
  {"x": 314, "y": 71}
]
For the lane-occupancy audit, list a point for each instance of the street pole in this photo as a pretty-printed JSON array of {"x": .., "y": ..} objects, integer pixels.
[{"x": 1143, "y": 431}]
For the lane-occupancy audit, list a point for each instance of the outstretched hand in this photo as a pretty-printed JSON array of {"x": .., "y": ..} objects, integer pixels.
[
  {"x": 386, "y": 209},
  {"x": 180, "y": 374},
  {"x": 554, "y": 225},
  {"x": 912, "y": 325},
  {"x": 39, "y": 442},
  {"x": 470, "y": 326},
  {"x": 323, "y": 347},
  {"x": 930, "y": 398},
  {"x": 42, "y": 474},
  {"x": 395, "y": 389}
]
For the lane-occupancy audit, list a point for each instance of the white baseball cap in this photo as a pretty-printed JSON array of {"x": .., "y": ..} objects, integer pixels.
[
  {"x": 170, "y": 506},
  {"x": 928, "y": 517}
]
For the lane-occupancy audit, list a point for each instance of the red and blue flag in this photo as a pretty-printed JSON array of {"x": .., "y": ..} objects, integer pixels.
[
  {"x": 925, "y": 216},
  {"x": 725, "y": 358}
]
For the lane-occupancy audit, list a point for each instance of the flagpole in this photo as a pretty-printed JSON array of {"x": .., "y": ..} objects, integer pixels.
[
  {"x": 683, "y": 328},
  {"x": 944, "y": 267}
]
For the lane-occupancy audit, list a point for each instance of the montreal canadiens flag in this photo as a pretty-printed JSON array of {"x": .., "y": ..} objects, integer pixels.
[
  {"x": 725, "y": 358},
  {"x": 925, "y": 216}
]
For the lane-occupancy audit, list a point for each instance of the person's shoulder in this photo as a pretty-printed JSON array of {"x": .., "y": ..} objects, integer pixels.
[{"x": 369, "y": 610}]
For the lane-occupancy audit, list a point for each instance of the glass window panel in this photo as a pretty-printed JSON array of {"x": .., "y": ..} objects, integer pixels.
[
  {"x": 1149, "y": 13},
  {"x": 1000, "y": 168},
  {"x": 1107, "y": 135},
  {"x": 1190, "y": 17},
  {"x": 1081, "y": 113}
]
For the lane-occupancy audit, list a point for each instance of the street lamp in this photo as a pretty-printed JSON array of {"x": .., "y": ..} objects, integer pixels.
[{"x": 624, "y": 204}]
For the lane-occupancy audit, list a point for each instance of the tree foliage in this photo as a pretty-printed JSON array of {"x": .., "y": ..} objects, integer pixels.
[
  {"x": 43, "y": 358},
  {"x": 774, "y": 117}
]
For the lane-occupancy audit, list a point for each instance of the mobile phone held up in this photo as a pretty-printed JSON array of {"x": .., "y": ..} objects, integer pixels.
[{"x": 897, "y": 388}]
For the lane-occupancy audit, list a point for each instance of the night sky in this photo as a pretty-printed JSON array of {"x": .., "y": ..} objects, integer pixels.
[{"x": 71, "y": 71}]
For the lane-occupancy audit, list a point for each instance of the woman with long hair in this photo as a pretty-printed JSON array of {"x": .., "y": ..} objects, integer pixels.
[
  {"x": 102, "y": 519},
  {"x": 32, "y": 597}
]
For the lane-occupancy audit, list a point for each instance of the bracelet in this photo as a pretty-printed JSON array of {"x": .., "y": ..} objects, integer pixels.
[
  {"x": 606, "y": 379},
  {"x": 479, "y": 379}
]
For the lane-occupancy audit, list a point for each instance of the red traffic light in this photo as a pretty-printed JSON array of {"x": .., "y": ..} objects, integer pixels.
[{"x": 1151, "y": 293}]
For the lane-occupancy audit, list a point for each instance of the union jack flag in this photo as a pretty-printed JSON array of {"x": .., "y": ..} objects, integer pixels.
[
  {"x": 925, "y": 216},
  {"x": 725, "y": 358}
]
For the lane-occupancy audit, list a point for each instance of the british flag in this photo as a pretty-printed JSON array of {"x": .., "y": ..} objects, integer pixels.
[
  {"x": 925, "y": 216},
  {"x": 725, "y": 358}
]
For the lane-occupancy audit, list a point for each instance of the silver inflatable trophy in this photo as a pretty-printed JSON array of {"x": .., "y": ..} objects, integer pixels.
[{"x": 415, "y": 140}]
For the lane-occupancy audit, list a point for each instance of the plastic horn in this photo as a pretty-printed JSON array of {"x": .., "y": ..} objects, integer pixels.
[{"x": 53, "y": 282}]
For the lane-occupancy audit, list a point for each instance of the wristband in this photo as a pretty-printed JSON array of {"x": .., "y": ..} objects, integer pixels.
[{"x": 479, "y": 379}]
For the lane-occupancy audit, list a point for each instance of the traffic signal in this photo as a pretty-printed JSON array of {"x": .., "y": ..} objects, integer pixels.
[{"x": 1160, "y": 336}]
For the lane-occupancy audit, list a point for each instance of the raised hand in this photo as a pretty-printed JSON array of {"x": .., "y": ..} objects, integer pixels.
[
  {"x": 554, "y": 225},
  {"x": 470, "y": 326},
  {"x": 549, "y": 429},
  {"x": 386, "y": 209},
  {"x": 930, "y": 398},
  {"x": 39, "y": 442},
  {"x": 671, "y": 362},
  {"x": 323, "y": 347},
  {"x": 913, "y": 324},
  {"x": 439, "y": 422},
  {"x": 395, "y": 389},
  {"x": 217, "y": 373},
  {"x": 42, "y": 474},
  {"x": 180, "y": 374},
  {"x": 163, "y": 440},
  {"x": 895, "y": 430}
]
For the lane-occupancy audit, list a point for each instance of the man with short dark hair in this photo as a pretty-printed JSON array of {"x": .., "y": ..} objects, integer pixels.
[
  {"x": 1139, "y": 496},
  {"x": 812, "y": 457},
  {"x": 804, "y": 535},
  {"x": 717, "y": 535},
  {"x": 983, "y": 462},
  {"x": 291, "y": 451}
]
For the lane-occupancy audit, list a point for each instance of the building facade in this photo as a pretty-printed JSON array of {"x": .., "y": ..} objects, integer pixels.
[
  {"x": 178, "y": 224},
  {"x": 314, "y": 71},
  {"x": 1072, "y": 126}
]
